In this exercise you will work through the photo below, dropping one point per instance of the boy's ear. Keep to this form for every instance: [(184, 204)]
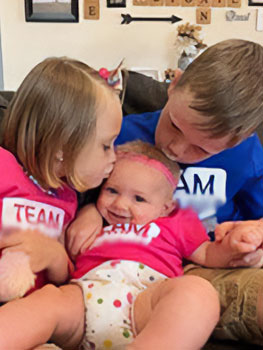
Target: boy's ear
[(177, 75), (168, 207)]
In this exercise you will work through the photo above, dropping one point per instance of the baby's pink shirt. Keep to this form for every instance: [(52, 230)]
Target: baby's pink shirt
[(161, 244)]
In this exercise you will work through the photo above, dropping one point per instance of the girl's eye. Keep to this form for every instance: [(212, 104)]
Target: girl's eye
[(139, 199), (106, 148), (111, 190)]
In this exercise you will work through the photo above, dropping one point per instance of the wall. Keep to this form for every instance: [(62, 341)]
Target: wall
[(105, 42)]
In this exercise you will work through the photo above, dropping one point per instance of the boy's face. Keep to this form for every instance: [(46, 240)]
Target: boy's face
[(135, 193), (177, 135)]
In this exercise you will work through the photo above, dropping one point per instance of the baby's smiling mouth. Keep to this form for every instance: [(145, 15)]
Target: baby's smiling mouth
[(119, 218)]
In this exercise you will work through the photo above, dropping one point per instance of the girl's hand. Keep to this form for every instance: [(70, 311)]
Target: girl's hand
[(83, 230), (44, 252)]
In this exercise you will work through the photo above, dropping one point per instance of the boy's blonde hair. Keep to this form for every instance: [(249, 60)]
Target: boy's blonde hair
[(227, 87), (54, 109), (151, 152)]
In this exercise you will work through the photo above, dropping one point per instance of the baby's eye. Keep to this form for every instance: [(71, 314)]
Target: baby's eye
[(139, 199), (111, 190)]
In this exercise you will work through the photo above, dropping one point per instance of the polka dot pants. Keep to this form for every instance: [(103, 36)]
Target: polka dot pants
[(109, 293)]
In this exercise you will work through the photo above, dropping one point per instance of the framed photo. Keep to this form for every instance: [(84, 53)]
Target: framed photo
[(116, 3), (255, 3), (52, 10)]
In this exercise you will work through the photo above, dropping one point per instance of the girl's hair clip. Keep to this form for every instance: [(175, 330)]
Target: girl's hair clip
[(113, 78)]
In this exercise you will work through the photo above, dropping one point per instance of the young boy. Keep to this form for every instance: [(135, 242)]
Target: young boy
[(127, 275), (207, 126)]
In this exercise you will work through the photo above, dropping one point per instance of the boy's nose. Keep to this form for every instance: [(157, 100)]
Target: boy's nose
[(177, 148)]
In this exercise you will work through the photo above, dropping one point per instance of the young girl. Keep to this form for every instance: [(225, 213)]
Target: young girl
[(59, 131), (124, 295)]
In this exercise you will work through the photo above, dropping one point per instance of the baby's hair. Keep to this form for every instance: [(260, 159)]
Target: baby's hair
[(54, 109), (227, 87), (151, 152)]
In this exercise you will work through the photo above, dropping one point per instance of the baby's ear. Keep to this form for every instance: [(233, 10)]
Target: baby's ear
[(168, 207)]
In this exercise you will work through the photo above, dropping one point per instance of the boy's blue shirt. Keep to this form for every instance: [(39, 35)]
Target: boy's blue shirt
[(226, 186)]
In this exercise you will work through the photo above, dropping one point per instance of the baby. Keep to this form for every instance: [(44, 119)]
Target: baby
[(126, 293)]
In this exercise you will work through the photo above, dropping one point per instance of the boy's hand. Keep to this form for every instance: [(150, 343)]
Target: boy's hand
[(253, 259), (83, 230)]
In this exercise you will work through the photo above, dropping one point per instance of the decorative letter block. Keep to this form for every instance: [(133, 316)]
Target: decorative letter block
[(156, 2), (234, 3), (141, 2), (218, 3), (188, 3), (172, 2), (91, 9), (204, 3), (203, 15)]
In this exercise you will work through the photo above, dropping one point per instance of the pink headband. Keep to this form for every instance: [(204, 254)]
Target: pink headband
[(153, 163)]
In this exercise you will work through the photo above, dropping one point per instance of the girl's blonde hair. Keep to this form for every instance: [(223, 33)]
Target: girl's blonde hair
[(54, 109)]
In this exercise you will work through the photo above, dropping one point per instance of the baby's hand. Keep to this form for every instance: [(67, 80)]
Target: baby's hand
[(223, 229), (243, 237), (83, 230)]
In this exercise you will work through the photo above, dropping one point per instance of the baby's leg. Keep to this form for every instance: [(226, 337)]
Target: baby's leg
[(177, 314), (49, 313)]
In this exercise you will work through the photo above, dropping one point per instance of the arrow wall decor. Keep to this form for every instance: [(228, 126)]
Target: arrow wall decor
[(128, 19)]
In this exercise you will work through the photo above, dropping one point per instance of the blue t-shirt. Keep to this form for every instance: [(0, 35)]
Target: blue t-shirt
[(225, 187)]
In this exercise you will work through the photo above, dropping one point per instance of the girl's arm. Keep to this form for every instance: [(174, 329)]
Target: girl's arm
[(45, 253), (83, 230)]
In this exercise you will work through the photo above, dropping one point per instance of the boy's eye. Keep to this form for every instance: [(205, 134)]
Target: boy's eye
[(174, 126), (111, 190), (139, 199), (201, 150)]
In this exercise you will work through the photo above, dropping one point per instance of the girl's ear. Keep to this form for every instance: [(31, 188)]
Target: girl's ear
[(59, 156), (177, 75), (168, 207)]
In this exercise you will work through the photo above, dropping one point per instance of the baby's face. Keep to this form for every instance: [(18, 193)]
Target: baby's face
[(177, 133), (135, 193)]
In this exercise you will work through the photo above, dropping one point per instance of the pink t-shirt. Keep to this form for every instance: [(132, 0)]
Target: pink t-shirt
[(24, 205), (160, 244)]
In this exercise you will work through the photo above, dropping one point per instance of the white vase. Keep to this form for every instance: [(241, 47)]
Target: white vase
[(184, 61)]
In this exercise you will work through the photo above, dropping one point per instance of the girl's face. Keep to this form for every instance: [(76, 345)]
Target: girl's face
[(96, 159), (135, 193), (178, 136)]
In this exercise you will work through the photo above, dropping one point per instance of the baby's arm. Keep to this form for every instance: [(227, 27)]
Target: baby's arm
[(240, 240), (83, 230), (48, 313)]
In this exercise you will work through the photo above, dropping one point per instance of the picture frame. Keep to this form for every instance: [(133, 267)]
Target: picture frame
[(255, 2), (116, 3), (51, 10)]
